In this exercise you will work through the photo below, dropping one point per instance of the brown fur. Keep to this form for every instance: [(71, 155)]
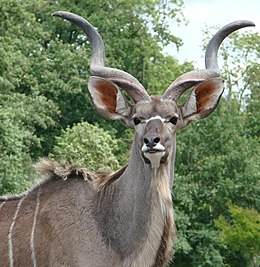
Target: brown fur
[(103, 179)]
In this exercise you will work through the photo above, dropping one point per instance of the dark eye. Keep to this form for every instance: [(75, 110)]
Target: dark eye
[(173, 120), (136, 121)]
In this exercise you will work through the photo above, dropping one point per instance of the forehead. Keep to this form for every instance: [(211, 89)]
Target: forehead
[(155, 107)]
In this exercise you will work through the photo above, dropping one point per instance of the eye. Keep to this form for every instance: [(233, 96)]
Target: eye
[(173, 120), (136, 121)]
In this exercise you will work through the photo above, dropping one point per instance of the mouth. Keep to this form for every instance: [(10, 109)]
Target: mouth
[(153, 151), (154, 156)]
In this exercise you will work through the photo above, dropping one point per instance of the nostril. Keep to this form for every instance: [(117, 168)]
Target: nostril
[(151, 141), (146, 141), (156, 140)]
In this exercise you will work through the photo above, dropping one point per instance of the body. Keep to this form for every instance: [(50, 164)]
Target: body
[(70, 217)]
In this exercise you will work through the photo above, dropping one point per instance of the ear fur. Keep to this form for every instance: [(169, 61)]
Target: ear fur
[(202, 101), (108, 99)]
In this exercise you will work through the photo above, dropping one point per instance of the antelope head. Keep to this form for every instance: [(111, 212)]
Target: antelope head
[(155, 119)]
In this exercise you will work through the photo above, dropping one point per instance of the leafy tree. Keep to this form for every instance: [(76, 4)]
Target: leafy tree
[(89, 146), (242, 233), (240, 66), (21, 116), (44, 54), (216, 163)]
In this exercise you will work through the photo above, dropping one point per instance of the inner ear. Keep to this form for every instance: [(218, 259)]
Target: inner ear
[(106, 92), (202, 101), (108, 99)]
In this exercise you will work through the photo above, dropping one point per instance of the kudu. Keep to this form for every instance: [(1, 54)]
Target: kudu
[(78, 218)]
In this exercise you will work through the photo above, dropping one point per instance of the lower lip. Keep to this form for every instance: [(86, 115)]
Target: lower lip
[(154, 151)]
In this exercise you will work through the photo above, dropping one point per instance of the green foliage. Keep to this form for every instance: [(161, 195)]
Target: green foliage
[(20, 118), (252, 101), (89, 146), (242, 233), (216, 164)]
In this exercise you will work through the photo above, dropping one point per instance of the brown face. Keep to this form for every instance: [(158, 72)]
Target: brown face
[(155, 123)]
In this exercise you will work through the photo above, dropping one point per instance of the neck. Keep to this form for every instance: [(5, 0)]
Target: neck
[(138, 217)]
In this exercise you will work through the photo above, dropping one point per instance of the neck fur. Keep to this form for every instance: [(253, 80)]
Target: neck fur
[(155, 185)]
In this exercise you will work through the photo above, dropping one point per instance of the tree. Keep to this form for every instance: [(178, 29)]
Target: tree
[(21, 116), (242, 233), (87, 145), (240, 66), (215, 164)]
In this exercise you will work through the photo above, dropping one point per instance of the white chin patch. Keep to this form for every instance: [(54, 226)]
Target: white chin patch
[(154, 155), (155, 158)]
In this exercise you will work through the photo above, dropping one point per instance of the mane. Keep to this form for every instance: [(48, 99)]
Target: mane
[(52, 169)]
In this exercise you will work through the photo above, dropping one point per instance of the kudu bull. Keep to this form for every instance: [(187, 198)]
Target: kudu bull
[(78, 218)]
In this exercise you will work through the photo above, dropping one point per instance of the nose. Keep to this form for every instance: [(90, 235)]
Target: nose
[(151, 141)]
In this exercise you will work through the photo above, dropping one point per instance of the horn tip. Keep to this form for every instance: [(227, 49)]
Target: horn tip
[(249, 23), (58, 14), (245, 23), (252, 24)]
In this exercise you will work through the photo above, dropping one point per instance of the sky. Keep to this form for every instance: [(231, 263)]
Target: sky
[(202, 13)]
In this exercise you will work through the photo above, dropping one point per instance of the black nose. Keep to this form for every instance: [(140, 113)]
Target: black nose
[(151, 141)]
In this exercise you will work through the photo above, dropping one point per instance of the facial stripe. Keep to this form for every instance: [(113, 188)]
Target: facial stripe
[(10, 242), (34, 226), (156, 118)]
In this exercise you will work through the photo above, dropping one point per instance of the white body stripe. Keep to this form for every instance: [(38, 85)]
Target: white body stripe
[(10, 244), (2, 204), (33, 227)]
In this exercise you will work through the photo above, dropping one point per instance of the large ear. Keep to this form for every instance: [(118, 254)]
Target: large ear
[(108, 99), (202, 101)]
